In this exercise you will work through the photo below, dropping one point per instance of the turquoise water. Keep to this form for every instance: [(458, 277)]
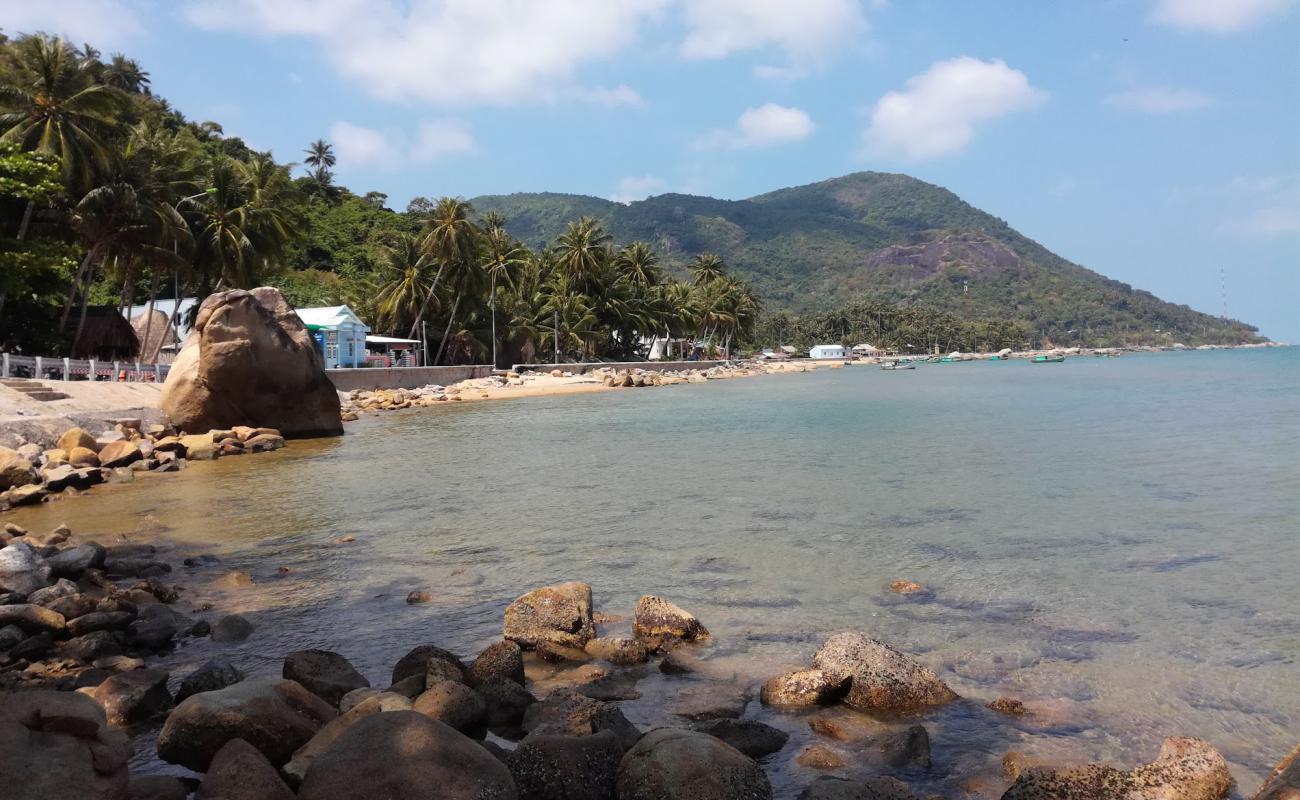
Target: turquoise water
[(1113, 541)]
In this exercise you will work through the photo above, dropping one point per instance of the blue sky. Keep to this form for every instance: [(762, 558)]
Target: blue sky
[(1155, 141)]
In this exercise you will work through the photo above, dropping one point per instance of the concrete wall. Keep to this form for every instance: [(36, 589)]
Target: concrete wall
[(648, 366), (345, 380)]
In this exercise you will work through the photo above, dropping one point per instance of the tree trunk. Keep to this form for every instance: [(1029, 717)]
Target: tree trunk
[(27, 219), (493, 297), (72, 290), (425, 305), (447, 331), (85, 300), (148, 320)]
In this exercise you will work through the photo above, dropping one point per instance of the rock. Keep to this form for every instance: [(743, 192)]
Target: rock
[(210, 677), (66, 476), (32, 618), (417, 597), (1009, 706), (118, 663), (712, 701), (76, 605), (403, 755), (264, 442), (507, 704), (751, 737), (559, 614), (1186, 769), (59, 589), (58, 745), (388, 701), (676, 764), (135, 696), (99, 621), (244, 340), (157, 787), (502, 659), (74, 438), (83, 457), (828, 787), (679, 662), (119, 454), (567, 712), (91, 646), (802, 688), (326, 674), (306, 755), (440, 670), (880, 678), (819, 756), (15, 469), (10, 636), (275, 716), (655, 616), (26, 495), (550, 767), (240, 772), (417, 661), (75, 560), (845, 726), (1283, 783), (22, 569), (232, 628), (906, 587), (618, 650), (553, 653), (235, 579), (456, 705), (905, 748)]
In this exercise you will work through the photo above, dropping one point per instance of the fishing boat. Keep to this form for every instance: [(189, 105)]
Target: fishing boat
[(898, 365), (1047, 359)]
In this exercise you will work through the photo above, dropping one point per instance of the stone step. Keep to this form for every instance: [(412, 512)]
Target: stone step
[(14, 383), (47, 395)]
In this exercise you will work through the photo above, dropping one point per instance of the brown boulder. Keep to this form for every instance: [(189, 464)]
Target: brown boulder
[(133, 696), (880, 677), (83, 457), (58, 744), (656, 616), (1283, 783), (15, 469), (676, 764), (502, 659), (119, 454), (249, 362), (1186, 769), (73, 438), (805, 687), (559, 614), (326, 674), (240, 772)]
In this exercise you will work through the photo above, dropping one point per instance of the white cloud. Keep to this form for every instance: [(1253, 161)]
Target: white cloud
[(764, 126), (103, 23), (1156, 100), (938, 111), (1274, 203), (636, 187), (803, 32), (360, 147), (1216, 16), (452, 52), (1271, 221)]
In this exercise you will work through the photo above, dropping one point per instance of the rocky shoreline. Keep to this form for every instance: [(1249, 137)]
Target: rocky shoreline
[(535, 714)]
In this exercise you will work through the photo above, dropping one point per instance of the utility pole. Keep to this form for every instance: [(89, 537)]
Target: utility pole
[(1223, 292), (555, 327), (424, 342)]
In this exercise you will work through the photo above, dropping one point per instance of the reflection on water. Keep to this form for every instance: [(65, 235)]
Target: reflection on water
[(1112, 541)]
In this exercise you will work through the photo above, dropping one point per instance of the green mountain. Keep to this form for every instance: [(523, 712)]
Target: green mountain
[(880, 237)]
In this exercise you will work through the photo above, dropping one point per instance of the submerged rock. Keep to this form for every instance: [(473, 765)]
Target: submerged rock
[(1185, 769), (560, 614), (880, 677), (751, 737), (678, 764)]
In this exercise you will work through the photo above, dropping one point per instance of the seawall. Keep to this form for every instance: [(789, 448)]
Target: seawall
[(345, 380)]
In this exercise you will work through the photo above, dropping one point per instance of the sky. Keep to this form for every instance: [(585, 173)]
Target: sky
[(1154, 141)]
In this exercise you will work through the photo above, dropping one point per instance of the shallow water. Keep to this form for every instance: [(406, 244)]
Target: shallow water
[(1114, 541)]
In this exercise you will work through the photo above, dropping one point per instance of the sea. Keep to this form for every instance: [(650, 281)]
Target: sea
[(1113, 541)]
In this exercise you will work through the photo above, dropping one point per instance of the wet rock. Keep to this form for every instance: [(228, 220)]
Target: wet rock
[(403, 755), (504, 659), (59, 589), (157, 787), (828, 787), (264, 442), (553, 653), (32, 618), (655, 616), (326, 674), (235, 579), (802, 688), (845, 726), (677, 764), (417, 597), (1283, 783), (880, 677), (73, 561), (570, 713), (232, 628), (161, 591), (306, 755), (456, 705), (58, 745), (22, 569), (679, 662), (240, 772), (618, 650), (1186, 769), (74, 606), (153, 632), (906, 748), (99, 621), (1009, 706), (619, 685), (135, 696), (119, 454), (906, 587), (15, 469), (552, 767), (416, 662), (817, 756), (388, 701), (275, 716), (712, 701), (559, 614), (751, 737), (507, 704), (91, 647)]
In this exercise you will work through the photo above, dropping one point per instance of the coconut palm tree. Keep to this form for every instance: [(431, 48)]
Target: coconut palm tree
[(409, 271), (125, 74), (320, 154), (448, 240), (51, 102), (505, 258), (582, 251), (706, 268), (639, 264)]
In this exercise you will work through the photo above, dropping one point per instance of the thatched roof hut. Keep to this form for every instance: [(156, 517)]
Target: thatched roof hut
[(160, 334), (106, 336)]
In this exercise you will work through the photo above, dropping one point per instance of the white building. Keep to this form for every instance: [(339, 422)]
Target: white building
[(340, 334), (827, 351)]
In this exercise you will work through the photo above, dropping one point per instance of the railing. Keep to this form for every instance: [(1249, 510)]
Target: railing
[(74, 369)]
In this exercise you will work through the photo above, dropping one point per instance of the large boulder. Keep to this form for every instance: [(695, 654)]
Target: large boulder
[(417, 661), (275, 716), (880, 678), (456, 705), (326, 674), (210, 677), (551, 767), (133, 696), (15, 469), (802, 688), (560, 614), (1185, 769), (657, 617), (306, 755), (565, 711), (402, 755), (502, 659), (1283, 783), (58, 744), (250, 361), (676, 764), (22, 569), (240, 772)]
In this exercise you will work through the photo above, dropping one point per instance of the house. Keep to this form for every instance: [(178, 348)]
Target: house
[(866, 350), (389, 351), (827, 351), (339, 333), (768, 354)]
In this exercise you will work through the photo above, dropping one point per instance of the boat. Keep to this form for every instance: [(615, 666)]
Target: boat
[(898, 365), (1047, 359)]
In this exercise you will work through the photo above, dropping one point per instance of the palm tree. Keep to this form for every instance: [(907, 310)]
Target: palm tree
[(505, 257), (706, 268), (320, 154), (50, 102), (125, 74), (104, 219), (582, 251), (408, 268), (448, 240), (639, 264)]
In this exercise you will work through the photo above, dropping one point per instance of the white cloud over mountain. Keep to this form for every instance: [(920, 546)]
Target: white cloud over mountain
[(938, 111), (637, 187), (763, 126)]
